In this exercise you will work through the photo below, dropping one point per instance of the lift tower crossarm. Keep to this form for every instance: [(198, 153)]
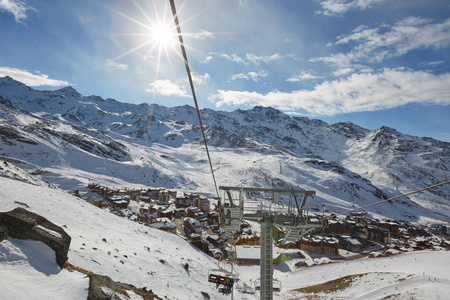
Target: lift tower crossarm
[(263, 190)]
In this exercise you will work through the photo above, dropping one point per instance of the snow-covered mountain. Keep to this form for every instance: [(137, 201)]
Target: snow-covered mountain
[(82, 139)]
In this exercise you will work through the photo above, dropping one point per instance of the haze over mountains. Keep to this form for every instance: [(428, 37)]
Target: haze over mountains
[(80, 139)]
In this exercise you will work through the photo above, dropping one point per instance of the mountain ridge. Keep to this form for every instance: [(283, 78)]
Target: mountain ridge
[(152, 145)]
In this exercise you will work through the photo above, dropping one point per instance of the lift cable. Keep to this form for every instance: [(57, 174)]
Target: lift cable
[(186, 63), (404, 195)]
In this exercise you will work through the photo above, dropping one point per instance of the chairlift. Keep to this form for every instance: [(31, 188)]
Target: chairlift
[(244, 288), (223, 279), (276, 285)]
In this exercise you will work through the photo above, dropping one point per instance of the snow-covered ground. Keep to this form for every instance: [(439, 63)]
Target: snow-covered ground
[(146, 257), (104, 244), (28, 271)]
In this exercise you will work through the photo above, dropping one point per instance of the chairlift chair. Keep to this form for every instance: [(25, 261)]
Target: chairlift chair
[(224, 278), (276, 285)]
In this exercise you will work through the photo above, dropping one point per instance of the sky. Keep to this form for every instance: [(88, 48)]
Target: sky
[(371, 62)]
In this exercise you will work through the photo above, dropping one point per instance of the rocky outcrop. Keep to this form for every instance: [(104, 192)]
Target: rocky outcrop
[(104, 288), (3, 232), (23, 224)]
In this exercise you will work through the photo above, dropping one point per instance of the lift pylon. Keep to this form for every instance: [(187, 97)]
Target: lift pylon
[(266, 207)]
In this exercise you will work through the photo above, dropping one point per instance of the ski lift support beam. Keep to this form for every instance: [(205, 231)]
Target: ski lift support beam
[(234, 211)]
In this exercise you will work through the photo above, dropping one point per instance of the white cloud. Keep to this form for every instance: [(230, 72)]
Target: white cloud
[(234, 58), (202, 35), (386, 89), (303, 76), (201, 79), (30, 79), (255, 76), (255, 59), (207, 59), (167, 88), (340, 7), (377, 44), (251, 58), (432, 63), (116, 65), (343, 72), (16, 7)]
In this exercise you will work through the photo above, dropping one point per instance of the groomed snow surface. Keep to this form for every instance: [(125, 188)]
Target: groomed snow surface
[(146, 257)]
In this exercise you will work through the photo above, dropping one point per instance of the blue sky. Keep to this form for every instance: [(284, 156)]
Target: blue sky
[(371, 62)]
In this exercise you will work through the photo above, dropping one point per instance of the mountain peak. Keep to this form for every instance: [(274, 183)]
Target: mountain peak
[(9, 81), (69, 92), (348, 129)]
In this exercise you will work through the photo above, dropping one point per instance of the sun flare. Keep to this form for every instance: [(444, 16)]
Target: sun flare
[(162, 34)]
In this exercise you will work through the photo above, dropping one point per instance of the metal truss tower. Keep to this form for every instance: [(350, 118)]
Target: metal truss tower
[(266, 207)]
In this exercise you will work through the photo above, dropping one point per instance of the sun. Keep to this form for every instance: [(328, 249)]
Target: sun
[(155, 36), (162, 34)]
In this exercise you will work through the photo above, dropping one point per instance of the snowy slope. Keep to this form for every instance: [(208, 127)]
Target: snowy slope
[(82, 139), (109, 245), (28, 271)]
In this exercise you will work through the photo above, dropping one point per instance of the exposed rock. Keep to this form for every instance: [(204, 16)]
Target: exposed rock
[(3, 232), (23, 224), (97, 282)]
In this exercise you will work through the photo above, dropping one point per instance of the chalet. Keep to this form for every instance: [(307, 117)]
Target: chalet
[(153, 193), (202, 203), (354, 245), (118, 203), (192, 196), (135, 195), (163, 195), (101, 203), (122, 192), (330, 246), (248, 255), (144, 209), (203, 222), (319, 244), (165, 212), (93, 187), (196, 213), (213, 217), (248, 240), (439, 229), (215, 252), (311, 244), (145, 199), (339, 227), (178, 213), (163, 203), (215, 240), (245, 224), (147, 217), (195, 237), (156, 208), (378, 234), (182, 200), (164, 224), (201, 244), (417, 231), (192, 225)]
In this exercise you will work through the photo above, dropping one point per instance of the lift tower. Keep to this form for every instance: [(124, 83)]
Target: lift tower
[(267, 207)]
